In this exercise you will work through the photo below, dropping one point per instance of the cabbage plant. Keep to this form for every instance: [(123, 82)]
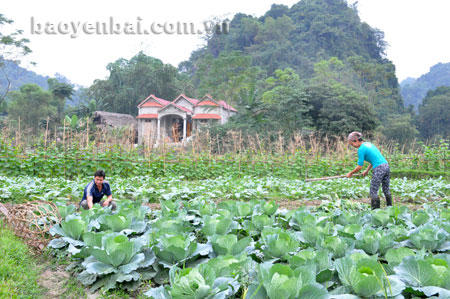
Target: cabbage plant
[(200, 283), (278, 243), (426, 277), (174, 249), (280, 281), (229, 244), (366, 277), (257, 224), (429, 237), (373, 241), (71, 229), (218, 224), (118, 260)]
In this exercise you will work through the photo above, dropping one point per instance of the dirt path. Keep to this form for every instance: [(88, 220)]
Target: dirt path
[(53, 280), (57, 284)]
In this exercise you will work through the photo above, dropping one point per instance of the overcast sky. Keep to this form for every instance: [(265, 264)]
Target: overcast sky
[(416, 30)]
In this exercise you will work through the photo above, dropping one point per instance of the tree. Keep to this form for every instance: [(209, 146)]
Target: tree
[(275, 30), (60, 92), (272, 44), (434, 114), (286, 99), (225, 76), (280, 108), (251, 116), (400, 128), (32, 105), (131, 81), (316, 95), (345, 111), (374, 79), (12, 49), (329, 71), (414, 90), (86, 105), (379, 82), (290, 114), (277, 11)]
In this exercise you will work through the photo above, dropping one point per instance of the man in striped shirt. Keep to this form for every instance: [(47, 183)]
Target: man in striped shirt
[(95, 190)]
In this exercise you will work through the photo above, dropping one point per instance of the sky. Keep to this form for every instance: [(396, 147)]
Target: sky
[(416, 31)]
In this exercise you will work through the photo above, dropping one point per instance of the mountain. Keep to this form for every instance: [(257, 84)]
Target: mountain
[(307, 37), (19, 76), (413, 91), (407, 81)]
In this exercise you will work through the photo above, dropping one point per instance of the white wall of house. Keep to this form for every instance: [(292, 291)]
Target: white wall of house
[(226, 114), (185, 103), (149, 127), (171, 110), (146, 130), (149, 110), (199, 124), (207, 110)]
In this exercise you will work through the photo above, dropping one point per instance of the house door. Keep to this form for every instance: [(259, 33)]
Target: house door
[(188, 128)]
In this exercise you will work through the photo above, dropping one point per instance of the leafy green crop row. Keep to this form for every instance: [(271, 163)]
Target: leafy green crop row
[(75, 162), (148, 189), (199, 249)]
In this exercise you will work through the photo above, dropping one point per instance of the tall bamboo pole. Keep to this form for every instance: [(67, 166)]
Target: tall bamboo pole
[(87, 131), (46, 132)]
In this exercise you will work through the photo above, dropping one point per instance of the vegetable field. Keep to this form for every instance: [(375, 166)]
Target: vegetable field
[(74, 162), (148, 189), (253, 249), (240, 225)]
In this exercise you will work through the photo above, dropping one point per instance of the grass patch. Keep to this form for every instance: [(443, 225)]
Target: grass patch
[(73, 289), (18, 270)]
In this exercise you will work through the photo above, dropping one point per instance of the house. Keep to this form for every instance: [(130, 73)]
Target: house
[(175, 121)]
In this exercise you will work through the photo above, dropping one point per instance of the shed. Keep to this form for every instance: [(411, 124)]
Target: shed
[(114, 120)]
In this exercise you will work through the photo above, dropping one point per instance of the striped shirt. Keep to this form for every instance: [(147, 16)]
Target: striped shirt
[(92, 190)]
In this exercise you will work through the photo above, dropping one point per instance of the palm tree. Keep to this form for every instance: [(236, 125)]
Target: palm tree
[(61, 92)]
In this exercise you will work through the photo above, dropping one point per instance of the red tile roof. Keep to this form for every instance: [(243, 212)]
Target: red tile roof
[(182, 108), (226, 106), (190, 100), (207, 103), (161, 101), (208, 100), (193, 101), (207, 116), (221, 102), (177, 106), (147, 116), (151, 104)]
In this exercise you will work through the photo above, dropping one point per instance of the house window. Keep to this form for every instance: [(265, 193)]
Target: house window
[(203, 121)]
